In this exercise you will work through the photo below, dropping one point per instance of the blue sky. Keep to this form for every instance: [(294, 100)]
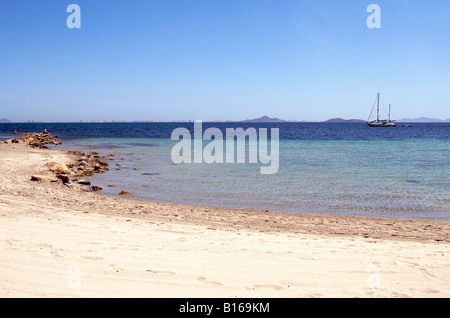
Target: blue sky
[(222, 59)]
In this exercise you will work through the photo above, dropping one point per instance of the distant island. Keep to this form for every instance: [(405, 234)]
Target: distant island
[(341, 120), (265, 119), (424, 120)]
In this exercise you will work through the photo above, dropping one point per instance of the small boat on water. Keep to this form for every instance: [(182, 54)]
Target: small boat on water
[(381, 122), (407, 125)]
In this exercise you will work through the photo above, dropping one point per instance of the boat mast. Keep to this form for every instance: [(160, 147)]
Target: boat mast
[(378, 107), (389, 116)]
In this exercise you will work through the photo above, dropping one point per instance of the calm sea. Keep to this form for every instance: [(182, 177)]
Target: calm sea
[(325, 168)]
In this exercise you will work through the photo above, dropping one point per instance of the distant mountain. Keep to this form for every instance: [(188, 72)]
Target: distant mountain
[(340, 120), (423, 120), (265, 119), (5, 121)]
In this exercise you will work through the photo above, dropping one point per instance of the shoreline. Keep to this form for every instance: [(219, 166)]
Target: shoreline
[(365, 227), (56, 221)]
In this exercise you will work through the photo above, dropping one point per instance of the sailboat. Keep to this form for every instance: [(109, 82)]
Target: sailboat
[(381, 122)]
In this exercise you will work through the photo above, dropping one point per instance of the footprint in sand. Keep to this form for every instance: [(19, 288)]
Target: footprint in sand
[(47, 248), (160, 272), (210, 282), (313, 295), (272, 286), (431, 291), (11, 244), (114, 269), (94, 258)]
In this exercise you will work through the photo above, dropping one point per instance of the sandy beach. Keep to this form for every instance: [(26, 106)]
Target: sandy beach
[(58, 240)]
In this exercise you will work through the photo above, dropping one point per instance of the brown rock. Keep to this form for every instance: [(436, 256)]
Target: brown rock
[(36, 178), (103, 164), (64, 178), (41, 178), (84, 182), (124, 192), (59, 168), (95, 188), (75, 152)]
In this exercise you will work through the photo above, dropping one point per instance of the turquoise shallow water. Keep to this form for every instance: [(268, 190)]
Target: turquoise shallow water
[(388, 178)]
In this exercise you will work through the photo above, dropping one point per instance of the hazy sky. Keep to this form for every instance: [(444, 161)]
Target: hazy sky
[(222, 59)]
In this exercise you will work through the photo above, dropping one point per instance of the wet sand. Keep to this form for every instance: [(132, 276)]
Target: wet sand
[(60, 241)]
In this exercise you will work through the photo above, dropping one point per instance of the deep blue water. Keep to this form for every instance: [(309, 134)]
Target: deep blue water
[(325, 168), (288, 131)]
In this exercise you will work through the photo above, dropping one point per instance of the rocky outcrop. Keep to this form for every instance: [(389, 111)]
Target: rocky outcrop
[(35, 140), (83, 164)]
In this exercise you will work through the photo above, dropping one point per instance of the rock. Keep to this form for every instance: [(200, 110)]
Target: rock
[(36, 140), (103, 164), (84, 182), (36, 178), (124, 192), (112, 185), (41, 178), (95, 188), (75, 152), (29, 140), (59, 168), (64, 178)]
